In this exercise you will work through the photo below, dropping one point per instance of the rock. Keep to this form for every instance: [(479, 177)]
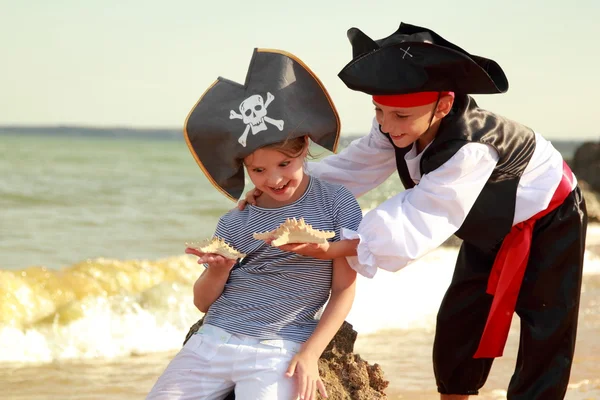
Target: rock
[(592, 201), (586, 164), (346, 375), (453, 241)]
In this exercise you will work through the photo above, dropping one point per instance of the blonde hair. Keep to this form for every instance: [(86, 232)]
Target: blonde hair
[(291, 147)]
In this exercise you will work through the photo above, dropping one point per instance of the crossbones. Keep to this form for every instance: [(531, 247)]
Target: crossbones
[(254, 114)]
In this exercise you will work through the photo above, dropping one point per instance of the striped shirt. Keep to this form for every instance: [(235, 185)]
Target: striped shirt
[(272, 294)]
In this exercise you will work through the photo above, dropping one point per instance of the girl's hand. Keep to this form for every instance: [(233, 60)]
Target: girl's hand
[(216, 261), (306, 368)]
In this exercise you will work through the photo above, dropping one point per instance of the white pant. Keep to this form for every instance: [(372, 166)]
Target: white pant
[(213, 362)]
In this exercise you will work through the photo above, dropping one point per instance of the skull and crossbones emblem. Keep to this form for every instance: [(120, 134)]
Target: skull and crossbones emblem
[(253, 112)]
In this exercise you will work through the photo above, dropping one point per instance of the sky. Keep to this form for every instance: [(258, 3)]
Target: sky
[(145, 63)]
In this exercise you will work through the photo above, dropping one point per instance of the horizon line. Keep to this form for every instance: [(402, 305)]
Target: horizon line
[(47, 126)]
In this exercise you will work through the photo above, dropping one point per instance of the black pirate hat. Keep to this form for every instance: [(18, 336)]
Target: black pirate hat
[(281, 99), (415, 59)]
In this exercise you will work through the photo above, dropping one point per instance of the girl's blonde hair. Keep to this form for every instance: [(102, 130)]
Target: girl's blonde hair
[(292, 147)]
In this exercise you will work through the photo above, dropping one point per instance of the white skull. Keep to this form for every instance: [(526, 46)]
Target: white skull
[(253, 111)]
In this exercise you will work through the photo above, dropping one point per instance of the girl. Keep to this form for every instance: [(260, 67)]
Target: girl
[(262, 334)]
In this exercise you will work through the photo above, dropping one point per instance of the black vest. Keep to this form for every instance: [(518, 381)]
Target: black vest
[(491, 217)]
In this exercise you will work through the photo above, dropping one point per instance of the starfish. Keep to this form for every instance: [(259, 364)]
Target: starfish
[(294, 231), (216, 246)]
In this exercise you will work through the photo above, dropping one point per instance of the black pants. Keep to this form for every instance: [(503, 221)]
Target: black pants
[(548, 307)]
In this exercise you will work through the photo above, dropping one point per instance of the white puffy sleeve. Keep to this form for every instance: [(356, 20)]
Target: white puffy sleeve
[(363, 165), (418, 220)]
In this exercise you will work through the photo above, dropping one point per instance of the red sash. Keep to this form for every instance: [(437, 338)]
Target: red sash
[(508, 271)]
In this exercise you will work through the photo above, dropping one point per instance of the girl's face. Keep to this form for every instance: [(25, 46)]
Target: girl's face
[(277, 175)]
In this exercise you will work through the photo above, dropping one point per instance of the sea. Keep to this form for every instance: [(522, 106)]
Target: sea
[(96, 291)]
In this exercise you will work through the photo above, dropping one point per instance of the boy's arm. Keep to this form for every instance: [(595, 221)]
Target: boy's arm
[(412, 223), (363, 165)]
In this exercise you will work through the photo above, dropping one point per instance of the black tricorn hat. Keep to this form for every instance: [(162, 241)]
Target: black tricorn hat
[(415, 59), (281, 99)]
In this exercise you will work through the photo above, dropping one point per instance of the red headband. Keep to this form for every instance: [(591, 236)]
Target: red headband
[(410, 100)]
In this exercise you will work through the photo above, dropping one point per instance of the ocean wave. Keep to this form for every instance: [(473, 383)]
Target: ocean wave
[(106, 308)]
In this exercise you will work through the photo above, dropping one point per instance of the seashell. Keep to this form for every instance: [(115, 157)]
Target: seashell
[(216, 246), (294, 231)]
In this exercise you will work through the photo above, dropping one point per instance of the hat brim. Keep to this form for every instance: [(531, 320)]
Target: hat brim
[(298, 104), (410, 67)]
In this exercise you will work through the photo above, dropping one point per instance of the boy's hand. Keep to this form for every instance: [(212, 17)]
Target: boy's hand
[(315, 250), (250, 198), (305, 367), (214, 261)]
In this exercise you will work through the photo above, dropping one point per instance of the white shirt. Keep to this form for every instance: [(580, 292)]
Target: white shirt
[(414, 222)]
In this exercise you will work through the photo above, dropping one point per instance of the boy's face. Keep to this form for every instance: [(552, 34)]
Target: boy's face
[(276, 174), (406, 125)]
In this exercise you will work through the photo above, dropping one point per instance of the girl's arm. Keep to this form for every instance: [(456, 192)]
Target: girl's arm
[(210, 284), (343, 287), (305, 363)]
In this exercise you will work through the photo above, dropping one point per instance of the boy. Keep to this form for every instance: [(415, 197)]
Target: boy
[(496, 184)]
